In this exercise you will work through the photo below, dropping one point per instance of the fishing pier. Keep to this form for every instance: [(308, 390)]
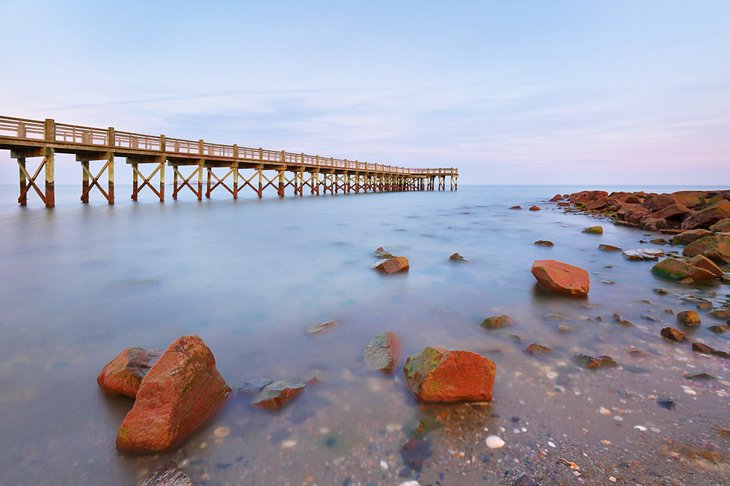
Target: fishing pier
[(198, 166)]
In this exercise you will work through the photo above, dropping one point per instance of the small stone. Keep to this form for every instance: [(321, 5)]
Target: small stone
[(415, 452), (705, 349), (381, 253), (168, 475), (383, 352), (537, 348), (700, 376), (288, 444), (673, 334), (221, 432), (719, 328), (704, 305), (277, 394), (495, 322), (661, 291), (534, 208), (516, 207), (591, 362), (658, 241), (721, 313), (321, 327), (393, 265), (689, 318), (457, 258), (667, 403), (648, 254), (494, 442), (593, 230), (544, 243), (603, 247)]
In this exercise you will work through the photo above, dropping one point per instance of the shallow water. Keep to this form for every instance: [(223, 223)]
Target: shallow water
[(80, 283)]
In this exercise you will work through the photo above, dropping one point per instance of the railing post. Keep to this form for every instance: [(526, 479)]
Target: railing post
[(50, 130)]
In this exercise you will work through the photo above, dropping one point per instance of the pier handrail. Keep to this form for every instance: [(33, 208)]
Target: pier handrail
[(36, 130)]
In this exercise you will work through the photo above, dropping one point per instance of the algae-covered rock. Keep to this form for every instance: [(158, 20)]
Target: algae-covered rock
[(676, 269), (593, 230), (722, 226), (383, 352), (716, 248), (440, 375), (495, 322), (687, 237)]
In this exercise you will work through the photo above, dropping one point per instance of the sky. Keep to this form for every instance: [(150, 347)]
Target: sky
[(510, 92)]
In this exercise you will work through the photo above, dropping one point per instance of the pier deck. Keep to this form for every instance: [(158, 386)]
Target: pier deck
[(195, 164)]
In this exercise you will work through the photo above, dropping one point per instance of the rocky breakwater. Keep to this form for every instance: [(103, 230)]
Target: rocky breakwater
[(670, 213), (181, 391)]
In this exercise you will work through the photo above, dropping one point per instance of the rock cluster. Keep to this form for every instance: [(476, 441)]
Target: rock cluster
[(672, 213)]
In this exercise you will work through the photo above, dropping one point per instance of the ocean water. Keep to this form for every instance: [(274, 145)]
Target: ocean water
[(82, 282)]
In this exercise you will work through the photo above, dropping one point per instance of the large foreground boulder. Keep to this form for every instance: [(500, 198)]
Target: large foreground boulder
[(180, 392), (716, 248), (440, 375), (123, 374), (561, 278)]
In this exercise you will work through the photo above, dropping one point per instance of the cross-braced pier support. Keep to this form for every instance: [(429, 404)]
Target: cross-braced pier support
[(89, 180), (159, 169), (28, 181)]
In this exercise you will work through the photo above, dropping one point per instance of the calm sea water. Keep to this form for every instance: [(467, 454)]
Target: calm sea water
[(80, 283)]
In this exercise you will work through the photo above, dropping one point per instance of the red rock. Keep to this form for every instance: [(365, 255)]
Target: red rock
[(556, 198), (440, 375), (123, 374), (676, 269), (659, 201), (534, 208), (597, 205), (691, 199), (563, 204), (716, 248), (673, 334), (633, 199), (673, 211), (701, 261), (722, 226), (516, 207), (653, 224), (393, 265), (561, 278), (687, 237), (178, 394), (708, 216), (689, 318)]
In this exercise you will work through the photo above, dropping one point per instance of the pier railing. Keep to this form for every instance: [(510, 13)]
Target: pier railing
[(100, 138)]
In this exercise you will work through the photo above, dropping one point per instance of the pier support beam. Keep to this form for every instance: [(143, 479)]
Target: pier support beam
[(185, 181), (28, 181), (282, 182), (147, 180), (89, 180)]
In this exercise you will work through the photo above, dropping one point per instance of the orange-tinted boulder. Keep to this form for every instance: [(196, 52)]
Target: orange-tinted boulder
[(123, 374), (701, 261), (561, 278), (716, 247), (180, 392), (393, 265), (534, 208), (708, 216), (440, 375)]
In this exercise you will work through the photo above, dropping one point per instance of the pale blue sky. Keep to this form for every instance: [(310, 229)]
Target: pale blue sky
[(574, 92)]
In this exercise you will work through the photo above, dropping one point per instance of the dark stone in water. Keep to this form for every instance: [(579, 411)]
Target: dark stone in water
[(719, 329), (673, 334), (604, 247), (591, 362), (537, 348), (667, 403), (544, 243), (661, 291), (321, 327), (254, 385), (495, 322), (516, 207), (705, 349), (168, 475), (456, 257), (700, 376), (383, 352), (415, 452), (275, 395), (525, 480)]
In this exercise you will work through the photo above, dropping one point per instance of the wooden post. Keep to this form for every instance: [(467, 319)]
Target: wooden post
[(23, 199), (260, 192), (110, 178), (50, 190), (85, 181), (162, 179), (235, 180), (135, 181), (210, 176), (282, 181)]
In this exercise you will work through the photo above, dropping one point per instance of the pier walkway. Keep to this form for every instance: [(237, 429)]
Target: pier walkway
[(229, 167)]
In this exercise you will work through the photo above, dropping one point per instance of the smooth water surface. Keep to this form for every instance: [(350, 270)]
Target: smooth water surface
[(82, 282)]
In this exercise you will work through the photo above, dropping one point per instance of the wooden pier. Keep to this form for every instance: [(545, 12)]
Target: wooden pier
[(199, 166)]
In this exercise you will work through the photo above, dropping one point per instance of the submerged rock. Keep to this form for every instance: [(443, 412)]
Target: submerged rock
[(716, 248), (456, 257), (534, 208), (495, 322), (277, 394), (321, 327), (178, 394), (414, 452), (603, 247), (383, 352), (650, 254), (721, 313), (168, 475), (593, 230), (440, 375), (543, 243), (535, 348), (123, 374), (591, 362), (254, 385), (561, 278), (381, 253), (705, 349), (516, 207), (673, 334), (393, 265), (689, 318), (719, 328)]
